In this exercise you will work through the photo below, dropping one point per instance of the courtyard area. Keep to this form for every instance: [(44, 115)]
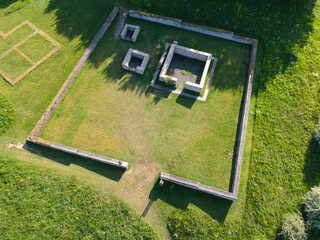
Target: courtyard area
[(115, 113)]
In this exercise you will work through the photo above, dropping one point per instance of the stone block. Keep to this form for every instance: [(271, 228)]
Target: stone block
[(135, 61), (130, 32)]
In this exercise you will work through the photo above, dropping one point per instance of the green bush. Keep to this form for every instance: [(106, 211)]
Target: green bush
[(35, 204), (293, 227), (312, 207), (317, 133), (171, 83), (7, 114)]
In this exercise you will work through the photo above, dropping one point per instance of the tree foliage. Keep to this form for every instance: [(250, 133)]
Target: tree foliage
[(293, 227), (312, 207)]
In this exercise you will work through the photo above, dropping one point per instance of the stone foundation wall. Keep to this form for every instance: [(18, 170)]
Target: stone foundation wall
[(132, 52)]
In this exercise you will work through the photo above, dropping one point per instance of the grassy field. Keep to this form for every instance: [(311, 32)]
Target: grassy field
[(37, 47), (285, 159), (113, 112), (7, 114), (74, 30), (37, 204)]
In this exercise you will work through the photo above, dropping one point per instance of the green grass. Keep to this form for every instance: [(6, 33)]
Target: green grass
[(14, 38), (74, 26), (112, 112), (37, 204), (37, 47), (14, 64), (187, 71), (7, 114), (285, 158)]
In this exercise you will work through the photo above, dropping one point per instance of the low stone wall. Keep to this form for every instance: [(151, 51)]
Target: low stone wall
[(197, 186), (233, 195), (189, 53), (33, 137), (244, 120), (135, 53), (134, 28), (65, 87), (163, 73), (79, 153), (214, 32)]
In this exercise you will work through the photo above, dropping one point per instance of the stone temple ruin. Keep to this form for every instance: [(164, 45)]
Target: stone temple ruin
[(130, 32), (135, 61), (180, 58)]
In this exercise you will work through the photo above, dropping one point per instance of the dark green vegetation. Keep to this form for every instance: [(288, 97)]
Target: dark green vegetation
[(34, 204), (285, 159), (7, 114)]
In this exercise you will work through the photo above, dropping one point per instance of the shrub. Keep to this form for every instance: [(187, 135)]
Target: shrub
[(312, 207), (317, 133), (171, 83), (7, 114), (293, 227)]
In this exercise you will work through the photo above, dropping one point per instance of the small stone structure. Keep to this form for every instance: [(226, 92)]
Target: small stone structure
[(130, 32), (135, 61), (189, 53)]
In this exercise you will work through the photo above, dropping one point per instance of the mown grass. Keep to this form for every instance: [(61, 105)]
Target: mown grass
[(14, 64), (285, 158), (37, 47), (38, 204), (114, 112), (285, 163), (14, 38), (7, 114), (74, 27)]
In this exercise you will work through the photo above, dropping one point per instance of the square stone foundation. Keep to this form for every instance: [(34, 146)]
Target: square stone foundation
[(135, 61), (130, 32), (188, 53)]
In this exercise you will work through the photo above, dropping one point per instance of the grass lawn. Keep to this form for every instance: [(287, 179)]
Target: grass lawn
[(14, 64), (38, 204), (113, 112), (13, 38), (74, 26), (37, 47)]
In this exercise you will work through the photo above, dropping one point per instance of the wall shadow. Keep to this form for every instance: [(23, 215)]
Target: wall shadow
[(108, 171), (216, 207), (186, 101)]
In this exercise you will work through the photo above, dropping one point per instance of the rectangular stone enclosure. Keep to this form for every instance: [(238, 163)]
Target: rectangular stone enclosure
[(130, 32), (193, 80), (135, 61)]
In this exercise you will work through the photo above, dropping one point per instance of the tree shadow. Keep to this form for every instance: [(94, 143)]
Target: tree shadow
[(81, 19), (6, 3), (312, 164), (180, 197), (108, 171)]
